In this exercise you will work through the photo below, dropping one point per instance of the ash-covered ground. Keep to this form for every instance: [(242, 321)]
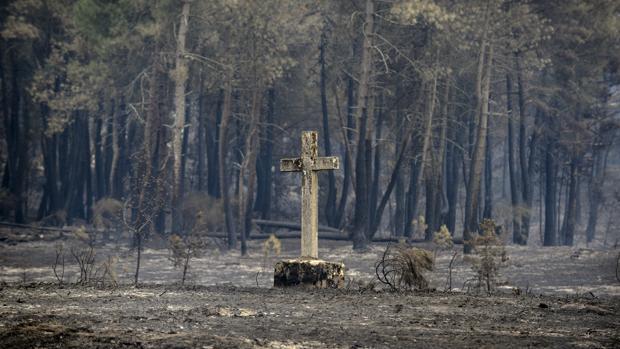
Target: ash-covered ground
[(551, 297)]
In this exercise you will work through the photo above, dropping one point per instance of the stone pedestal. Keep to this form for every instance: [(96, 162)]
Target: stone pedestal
[(309, 273)]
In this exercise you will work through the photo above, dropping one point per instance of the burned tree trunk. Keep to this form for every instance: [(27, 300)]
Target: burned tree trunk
[(347, 137), (212, 135), (361, 219), (222, 152), (330, 207), (550, 236), (568, 226), (515, 192), (526, 165), (180, 79), (264, 177), (477, 161)]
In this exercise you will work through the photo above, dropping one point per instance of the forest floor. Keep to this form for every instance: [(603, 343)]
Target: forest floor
[(552, 297)]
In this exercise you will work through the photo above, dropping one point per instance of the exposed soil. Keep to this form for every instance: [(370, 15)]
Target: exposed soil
[(222, 307)]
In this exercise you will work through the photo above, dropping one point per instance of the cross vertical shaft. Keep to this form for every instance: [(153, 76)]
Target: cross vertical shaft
[(308, 164), (309, 197)]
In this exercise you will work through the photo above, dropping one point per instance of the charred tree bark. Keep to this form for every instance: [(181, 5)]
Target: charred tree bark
[(568, 226), (515, 191), (114, 165), (203, 149), (361, 219), (411, 202), (595, 193), (488, 179), (264, 162), (399, 211), (550, 235), (376, 176), (107, 147), (347, 137), (184, 147), (213, 136), (376, 219), (477, 161), (180, 79), (248, 165), (99, 160), (453, 161), (222, 152), (17, 141), (330, 206), (527, 169)]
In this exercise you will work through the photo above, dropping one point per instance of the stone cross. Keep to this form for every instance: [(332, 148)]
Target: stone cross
[(308, 164)]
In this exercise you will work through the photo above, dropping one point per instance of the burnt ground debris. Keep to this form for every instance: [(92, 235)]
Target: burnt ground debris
[(154, 316), (230, 303)]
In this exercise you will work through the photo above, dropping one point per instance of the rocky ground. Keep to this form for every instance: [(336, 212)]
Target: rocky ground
[(553, 297)]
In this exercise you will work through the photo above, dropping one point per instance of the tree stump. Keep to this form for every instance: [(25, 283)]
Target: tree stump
[(309, 273)]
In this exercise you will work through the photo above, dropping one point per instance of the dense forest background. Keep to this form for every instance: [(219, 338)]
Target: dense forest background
[(160, 116)]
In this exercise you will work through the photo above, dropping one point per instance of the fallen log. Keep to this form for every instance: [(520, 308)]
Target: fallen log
[(291, 225), (325, 233), (322, 235), (35, 227)]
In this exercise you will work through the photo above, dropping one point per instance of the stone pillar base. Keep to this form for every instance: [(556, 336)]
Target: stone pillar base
[(309, 273)]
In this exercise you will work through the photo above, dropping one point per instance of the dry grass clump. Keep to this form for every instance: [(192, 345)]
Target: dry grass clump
[(403, 267), (272, 246), (107, 213), (201, 213)]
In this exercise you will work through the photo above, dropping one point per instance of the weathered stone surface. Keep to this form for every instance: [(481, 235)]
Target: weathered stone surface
[(308, 164), (309, 273)]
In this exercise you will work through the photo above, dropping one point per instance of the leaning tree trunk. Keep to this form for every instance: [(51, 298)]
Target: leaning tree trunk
[(375, 220), (477, 160), (427, 158)]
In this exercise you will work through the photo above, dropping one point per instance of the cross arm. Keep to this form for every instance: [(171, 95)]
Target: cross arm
[(290, 165), (320, 163), (326, 163)]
